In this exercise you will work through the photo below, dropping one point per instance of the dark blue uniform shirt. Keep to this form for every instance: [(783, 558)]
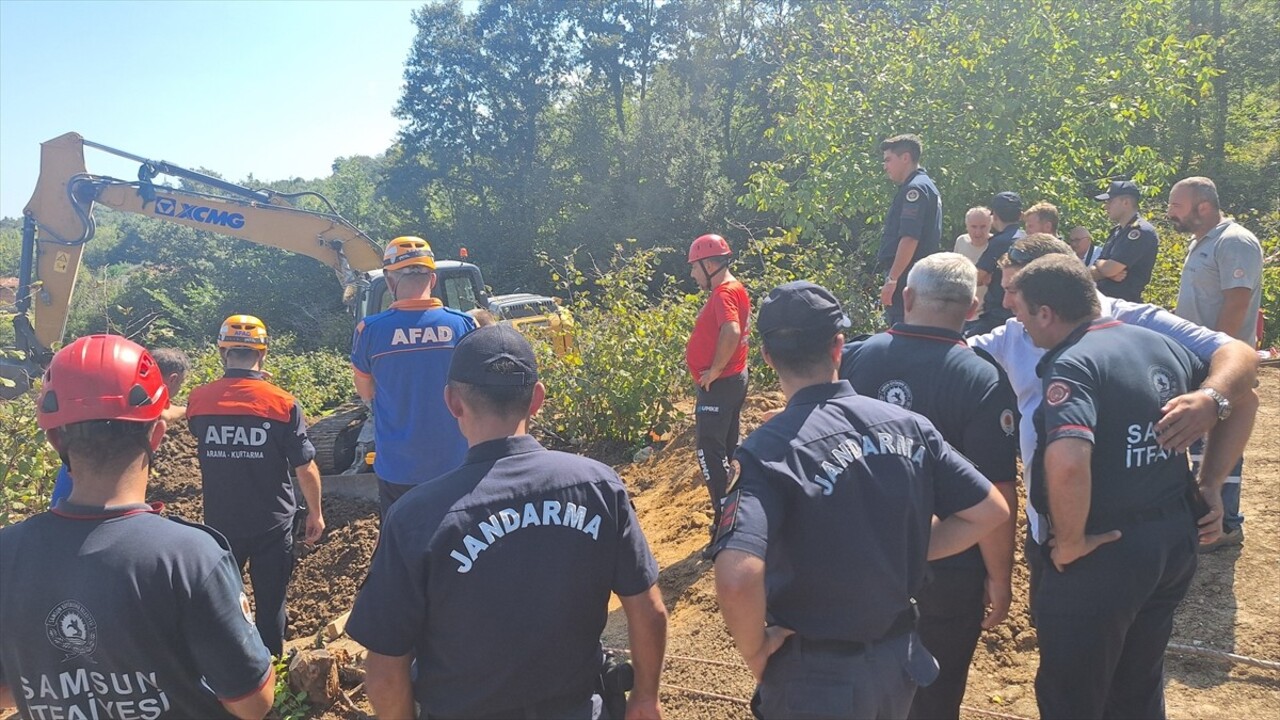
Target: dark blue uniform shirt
[(250, 434), (496, 577), (997, 247), (118, 612), (837, 494), (1135, 244), (916, 212), (1106, 384), (932, 371)]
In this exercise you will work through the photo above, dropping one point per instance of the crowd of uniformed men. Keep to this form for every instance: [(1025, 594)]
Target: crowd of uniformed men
[(862, 537)]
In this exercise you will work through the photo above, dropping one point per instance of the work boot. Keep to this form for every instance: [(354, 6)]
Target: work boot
[(1228, 538)]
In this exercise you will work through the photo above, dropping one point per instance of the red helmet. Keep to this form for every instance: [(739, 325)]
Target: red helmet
[(101, 377), (708, 246)]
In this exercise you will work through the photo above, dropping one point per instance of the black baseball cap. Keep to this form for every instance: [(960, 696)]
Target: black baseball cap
[(801, 305), (494, 355), (1007, 205), (1120, 188)]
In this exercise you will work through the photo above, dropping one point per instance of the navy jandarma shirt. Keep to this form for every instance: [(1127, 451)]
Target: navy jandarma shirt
[(1106, 383), (1136, 245), (251, 434), (964, 394), (496, 577), (119, 612), (916, 212), (837, 494), (989, 262)]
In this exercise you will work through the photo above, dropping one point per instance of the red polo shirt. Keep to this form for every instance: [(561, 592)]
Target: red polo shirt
[(728, 303)]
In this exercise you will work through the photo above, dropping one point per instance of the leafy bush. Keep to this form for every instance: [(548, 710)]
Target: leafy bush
[(628, 368), (783, 257), (320, 379), (28, 464)]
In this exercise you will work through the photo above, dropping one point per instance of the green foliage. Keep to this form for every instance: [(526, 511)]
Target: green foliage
[(1049, 99), (288, 705), (319, 379), (629, 366), (783, 257), (28, 464)]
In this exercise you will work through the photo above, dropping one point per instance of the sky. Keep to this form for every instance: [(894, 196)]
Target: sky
[(274, 89)]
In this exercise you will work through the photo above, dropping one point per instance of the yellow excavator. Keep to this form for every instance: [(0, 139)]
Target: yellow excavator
[(58, 222)]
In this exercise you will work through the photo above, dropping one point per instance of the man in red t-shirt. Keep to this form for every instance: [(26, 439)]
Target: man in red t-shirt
[(717, 359)]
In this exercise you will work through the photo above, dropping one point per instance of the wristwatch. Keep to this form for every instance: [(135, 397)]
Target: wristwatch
[(1224, 405)]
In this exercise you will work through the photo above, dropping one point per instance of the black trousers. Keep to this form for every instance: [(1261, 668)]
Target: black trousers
[(270, 560), (1035, 556), (806, 680), (951, 612), (388, 493), (717, 419), (1103, 624)]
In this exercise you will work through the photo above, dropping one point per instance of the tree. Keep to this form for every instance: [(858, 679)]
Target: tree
[(1050, 99)]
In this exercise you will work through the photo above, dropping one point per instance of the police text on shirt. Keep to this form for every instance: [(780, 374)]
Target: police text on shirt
[(857, 447), (509, 520)]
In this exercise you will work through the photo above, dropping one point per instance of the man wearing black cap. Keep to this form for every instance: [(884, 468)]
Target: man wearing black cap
[(1124, 266), (496, 577), (832, 512), (1006, 220), (913, 227)]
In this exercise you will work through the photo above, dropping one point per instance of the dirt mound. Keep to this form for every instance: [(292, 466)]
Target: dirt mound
[(326, 578)]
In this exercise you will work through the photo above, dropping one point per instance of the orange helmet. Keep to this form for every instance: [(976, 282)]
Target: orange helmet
[(101, 377), (709, 246), (245, 331), (407, 251)]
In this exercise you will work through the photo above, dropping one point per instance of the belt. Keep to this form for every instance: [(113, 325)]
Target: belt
[(904, 623), (1174, 506)]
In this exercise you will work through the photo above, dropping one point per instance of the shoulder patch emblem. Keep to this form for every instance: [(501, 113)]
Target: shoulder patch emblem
[(1057, 392), (1134, 234), (913, 195), (896, 392), (1239, 273), (1006, 422), (1162, 381), (71, 628), (245, 609)]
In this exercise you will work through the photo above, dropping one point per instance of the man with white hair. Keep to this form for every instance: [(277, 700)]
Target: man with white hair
[(1221, 289), (977, 224), (924, 365)]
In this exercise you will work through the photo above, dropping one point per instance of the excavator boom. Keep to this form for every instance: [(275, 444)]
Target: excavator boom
[(59, 221)]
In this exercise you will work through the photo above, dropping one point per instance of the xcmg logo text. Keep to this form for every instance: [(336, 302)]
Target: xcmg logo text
[(200, 213)]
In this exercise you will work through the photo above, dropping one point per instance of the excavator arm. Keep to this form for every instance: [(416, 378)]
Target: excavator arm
[(58, 221)]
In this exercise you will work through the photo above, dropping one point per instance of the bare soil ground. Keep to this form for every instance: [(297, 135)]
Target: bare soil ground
[(1234, 604)]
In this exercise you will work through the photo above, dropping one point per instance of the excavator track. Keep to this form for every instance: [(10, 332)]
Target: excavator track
[(335, 436)]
